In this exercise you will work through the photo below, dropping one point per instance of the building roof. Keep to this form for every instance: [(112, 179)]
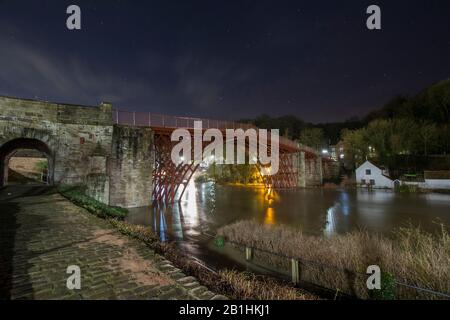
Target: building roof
[(374, 164)]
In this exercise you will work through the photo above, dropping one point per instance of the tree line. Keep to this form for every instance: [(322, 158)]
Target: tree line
[(405, 126)]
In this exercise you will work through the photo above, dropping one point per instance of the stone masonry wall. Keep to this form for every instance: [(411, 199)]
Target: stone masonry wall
[(299, 167), (83, 148), (131, 167), (73, 134), (313, 172), (310, 170)]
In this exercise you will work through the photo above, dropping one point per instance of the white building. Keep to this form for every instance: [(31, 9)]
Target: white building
[(368, 174)]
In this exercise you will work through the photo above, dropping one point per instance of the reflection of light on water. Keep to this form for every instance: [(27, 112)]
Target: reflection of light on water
[(340, 210), (190, 208), (177, 227), (270, 216), (345, 203), (437, 198), (162, 226), (330, 227), (268, 193)]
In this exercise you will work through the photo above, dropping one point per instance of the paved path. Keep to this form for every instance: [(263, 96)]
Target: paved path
[(41, 234)]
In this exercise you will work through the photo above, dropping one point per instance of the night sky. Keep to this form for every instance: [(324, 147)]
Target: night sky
[(224, 59)]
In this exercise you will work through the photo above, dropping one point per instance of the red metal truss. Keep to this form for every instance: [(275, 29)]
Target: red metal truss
[(168, 177), (287, 175)]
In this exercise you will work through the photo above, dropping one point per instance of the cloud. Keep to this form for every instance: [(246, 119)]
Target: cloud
[(188, 84), (28, 71)]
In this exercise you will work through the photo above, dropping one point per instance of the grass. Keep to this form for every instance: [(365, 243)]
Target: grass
[(77, 195), (411, 256), (245, 285)]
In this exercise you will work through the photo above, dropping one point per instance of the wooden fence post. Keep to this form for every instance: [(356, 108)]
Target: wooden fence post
[(295, 271), (248, 253)]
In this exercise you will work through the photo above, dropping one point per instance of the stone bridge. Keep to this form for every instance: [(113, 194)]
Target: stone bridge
[(120, 155)]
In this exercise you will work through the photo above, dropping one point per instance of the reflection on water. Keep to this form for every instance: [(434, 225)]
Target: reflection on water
[(270, 216), (330, 227), (206, 207)]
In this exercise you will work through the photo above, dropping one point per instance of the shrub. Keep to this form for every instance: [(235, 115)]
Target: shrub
[(246, 285), (77, 195), (404, 188)]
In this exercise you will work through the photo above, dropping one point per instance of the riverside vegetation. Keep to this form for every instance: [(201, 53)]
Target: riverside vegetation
[(233, 284), (410, 256), (339, 263)]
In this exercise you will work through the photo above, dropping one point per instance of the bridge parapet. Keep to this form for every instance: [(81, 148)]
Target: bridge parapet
[(34, 112), (147, 119)]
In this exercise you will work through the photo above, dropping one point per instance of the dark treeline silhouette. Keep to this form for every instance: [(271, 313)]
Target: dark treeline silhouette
[(429, 111)]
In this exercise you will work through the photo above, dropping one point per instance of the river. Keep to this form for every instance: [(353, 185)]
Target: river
[(206, 207)]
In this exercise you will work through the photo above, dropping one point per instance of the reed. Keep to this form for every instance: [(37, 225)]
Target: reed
[(340, 262)]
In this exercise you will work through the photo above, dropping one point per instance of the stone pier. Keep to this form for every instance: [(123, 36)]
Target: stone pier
[(131, 167), (309, 170)]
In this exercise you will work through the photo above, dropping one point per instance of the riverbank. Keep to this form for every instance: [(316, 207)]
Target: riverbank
[(42, 234), (229, 283), (339, 263)]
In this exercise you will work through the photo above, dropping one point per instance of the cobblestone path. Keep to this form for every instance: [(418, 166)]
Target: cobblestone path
[(42, 233)]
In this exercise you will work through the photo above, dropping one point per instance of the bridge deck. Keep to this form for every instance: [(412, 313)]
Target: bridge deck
[(167, 123)]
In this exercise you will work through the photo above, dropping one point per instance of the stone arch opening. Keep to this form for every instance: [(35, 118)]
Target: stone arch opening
[(9, 149)]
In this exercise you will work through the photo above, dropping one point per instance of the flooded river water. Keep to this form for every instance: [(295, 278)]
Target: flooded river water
[(206, 207)]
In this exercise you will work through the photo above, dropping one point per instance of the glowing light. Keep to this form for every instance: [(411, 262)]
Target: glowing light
[(325, 151), (190, 208), (330, 227), (269, 218)]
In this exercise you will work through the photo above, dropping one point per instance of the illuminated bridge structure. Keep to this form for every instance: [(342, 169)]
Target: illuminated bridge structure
[(170, 179), (123, 158)]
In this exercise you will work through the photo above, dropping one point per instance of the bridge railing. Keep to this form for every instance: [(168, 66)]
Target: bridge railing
[(147, 119)]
